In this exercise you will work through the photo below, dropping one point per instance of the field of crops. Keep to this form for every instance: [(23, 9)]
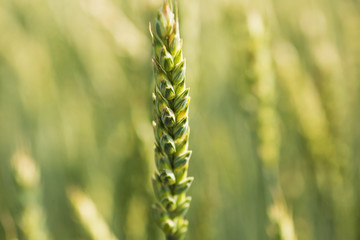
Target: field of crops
[(274, 118)]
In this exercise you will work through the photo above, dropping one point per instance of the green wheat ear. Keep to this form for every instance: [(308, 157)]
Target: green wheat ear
[(171, 105)]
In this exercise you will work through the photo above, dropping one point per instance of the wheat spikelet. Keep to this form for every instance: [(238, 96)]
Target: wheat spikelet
[(171, 104)]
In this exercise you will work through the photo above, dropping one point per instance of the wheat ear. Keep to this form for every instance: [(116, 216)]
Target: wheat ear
[(171, 104)]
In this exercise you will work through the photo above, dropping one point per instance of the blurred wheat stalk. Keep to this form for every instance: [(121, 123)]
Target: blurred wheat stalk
[(171, 103), (27, 175)]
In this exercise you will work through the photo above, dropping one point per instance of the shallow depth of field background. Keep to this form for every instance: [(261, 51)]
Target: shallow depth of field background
[(274, 118)]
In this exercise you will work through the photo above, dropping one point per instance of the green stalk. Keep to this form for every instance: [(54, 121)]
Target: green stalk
[(171, 104)]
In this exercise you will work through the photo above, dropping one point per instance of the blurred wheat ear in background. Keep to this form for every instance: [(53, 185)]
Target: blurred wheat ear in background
[(89, 215), (171, 105), (264, 85), (27, 175)]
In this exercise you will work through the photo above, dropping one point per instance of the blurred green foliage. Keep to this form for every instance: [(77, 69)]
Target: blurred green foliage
[(274, 119)]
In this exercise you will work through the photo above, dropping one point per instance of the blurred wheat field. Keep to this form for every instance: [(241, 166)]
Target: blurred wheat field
[(274, 119)]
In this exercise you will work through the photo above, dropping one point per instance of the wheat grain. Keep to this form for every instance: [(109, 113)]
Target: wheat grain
[(171, 104)]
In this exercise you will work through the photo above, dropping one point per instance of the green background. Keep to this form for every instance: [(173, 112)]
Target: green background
[(274, 117)]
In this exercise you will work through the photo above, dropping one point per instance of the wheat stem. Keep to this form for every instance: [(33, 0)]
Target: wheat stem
[(171, 104)]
